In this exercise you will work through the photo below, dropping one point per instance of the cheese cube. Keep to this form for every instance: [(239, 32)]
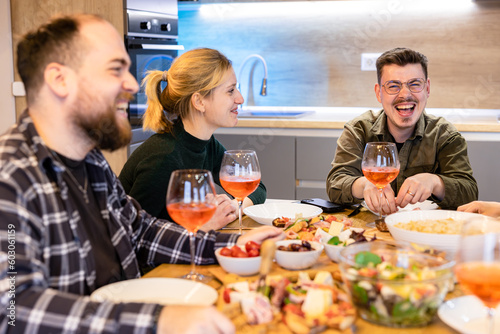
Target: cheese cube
[(239, 297), (335, 228), (242, 286), (316, 302), (344, 235), (303, 278), (324, 277)]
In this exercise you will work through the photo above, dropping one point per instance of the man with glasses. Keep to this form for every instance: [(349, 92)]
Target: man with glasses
[(432, 153)]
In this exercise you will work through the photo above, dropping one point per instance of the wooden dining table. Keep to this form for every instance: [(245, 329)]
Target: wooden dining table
[(361, 219)]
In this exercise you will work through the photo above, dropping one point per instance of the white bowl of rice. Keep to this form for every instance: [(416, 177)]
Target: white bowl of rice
[(434, 229)]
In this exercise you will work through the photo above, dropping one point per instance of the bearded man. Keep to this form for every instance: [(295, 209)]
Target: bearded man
[(66, 225)]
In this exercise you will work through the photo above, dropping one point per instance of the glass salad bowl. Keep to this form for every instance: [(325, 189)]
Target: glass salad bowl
[(395, 285)]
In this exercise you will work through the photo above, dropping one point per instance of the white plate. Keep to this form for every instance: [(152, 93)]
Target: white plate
[(166, 291), (467, 315), (425, 205), (267, 212)]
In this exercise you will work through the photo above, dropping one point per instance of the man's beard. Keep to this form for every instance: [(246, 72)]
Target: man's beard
[(102, 128)]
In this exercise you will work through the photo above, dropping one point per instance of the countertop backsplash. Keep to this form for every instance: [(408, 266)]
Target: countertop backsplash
[(313, 48)]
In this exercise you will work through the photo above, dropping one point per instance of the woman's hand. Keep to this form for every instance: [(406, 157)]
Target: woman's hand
[(225, 213)]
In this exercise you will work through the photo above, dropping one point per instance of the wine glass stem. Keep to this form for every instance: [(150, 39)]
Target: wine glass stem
[(240, 205), (381, 193), (192, 247), (491, 320)]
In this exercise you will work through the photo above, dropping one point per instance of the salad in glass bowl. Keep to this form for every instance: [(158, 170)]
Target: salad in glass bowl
[(395, 285)]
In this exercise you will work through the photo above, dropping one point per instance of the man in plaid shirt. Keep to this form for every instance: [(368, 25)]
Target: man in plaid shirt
[(66, 225)]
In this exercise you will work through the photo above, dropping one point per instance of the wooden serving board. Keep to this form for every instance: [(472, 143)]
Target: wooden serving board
[(233, 311)]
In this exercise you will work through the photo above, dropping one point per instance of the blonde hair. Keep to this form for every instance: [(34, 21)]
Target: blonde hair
[(196, 71)]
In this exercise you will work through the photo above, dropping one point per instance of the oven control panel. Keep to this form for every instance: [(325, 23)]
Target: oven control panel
[(154, 25)]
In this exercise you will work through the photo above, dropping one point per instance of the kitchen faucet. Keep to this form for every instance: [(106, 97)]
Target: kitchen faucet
[(263, 90)]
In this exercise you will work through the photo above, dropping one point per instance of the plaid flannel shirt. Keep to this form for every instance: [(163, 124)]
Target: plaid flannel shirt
[(46, 265)]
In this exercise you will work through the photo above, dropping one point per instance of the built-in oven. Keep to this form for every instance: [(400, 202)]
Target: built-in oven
[(151, 41)]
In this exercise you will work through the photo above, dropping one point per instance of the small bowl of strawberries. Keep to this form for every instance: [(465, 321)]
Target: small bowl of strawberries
[(240, 260)]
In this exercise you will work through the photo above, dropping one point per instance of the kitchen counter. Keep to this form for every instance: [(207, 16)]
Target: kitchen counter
[(465, 120)]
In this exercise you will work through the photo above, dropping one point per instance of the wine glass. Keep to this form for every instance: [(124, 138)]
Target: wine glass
[(380, 166), (240, 175), (478, 263), (191, 203)]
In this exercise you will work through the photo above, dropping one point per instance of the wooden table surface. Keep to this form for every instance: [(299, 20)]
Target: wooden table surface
[(361, 326)]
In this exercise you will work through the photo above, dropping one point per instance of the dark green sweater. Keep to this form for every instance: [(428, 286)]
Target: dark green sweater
[(146, 173)]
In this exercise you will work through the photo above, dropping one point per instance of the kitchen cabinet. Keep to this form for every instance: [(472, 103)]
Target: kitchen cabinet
[(293, 167), (313, 160), (485, 166), (276, 159)]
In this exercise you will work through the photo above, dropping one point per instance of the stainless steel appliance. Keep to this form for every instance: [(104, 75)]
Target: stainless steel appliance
[(151, 40)]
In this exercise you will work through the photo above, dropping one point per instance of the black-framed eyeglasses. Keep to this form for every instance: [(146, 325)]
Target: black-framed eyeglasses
[(393, 87)]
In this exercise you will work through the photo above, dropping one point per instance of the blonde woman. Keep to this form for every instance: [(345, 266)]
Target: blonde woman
[(200, 96)]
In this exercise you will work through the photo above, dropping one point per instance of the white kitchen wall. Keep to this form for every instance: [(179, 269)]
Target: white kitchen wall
[(7, 108)]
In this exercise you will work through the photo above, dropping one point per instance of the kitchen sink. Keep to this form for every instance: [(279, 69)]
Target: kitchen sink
[(273, 114)]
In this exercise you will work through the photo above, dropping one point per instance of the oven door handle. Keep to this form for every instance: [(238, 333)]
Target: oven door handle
[(162, 47)]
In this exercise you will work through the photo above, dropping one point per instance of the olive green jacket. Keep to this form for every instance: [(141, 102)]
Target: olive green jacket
[(435, 147)]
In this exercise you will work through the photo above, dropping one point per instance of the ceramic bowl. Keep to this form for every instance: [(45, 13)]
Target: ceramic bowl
[(333, 251), (446, 242), (243, 266), (297, 260)]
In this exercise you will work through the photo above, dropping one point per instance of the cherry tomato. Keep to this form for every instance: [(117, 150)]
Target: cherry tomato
[(253, 253), (241, 253), (331, 218), (235, 250), (227, 295), (225, 251), (252, 245)]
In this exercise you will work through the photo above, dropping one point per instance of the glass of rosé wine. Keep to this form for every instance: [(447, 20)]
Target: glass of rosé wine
[(191, 203), (478, 263), (240, 176), (380, 166)]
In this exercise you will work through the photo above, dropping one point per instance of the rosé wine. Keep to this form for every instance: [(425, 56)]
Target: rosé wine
[(240, 187), (191, 215), (380, 176), (481, 279)]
